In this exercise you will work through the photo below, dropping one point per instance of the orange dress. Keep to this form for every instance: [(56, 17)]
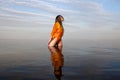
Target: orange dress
[(57, 31)]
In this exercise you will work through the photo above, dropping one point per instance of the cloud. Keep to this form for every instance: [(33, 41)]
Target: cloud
[(95, 15), (12, 11), (46, 9), (43, 5), (22, 17), (76, 12)]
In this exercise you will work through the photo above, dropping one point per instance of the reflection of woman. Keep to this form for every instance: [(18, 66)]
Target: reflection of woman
[(57, 61)]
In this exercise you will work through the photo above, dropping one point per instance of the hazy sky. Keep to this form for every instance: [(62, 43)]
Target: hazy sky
[(85, 16)]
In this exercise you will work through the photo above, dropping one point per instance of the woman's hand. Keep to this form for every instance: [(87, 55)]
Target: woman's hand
[(50, 40)]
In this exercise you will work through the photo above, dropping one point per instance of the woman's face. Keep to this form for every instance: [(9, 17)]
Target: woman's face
[(62, 19)]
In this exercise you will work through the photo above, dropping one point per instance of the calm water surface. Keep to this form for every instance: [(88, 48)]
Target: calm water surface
[(77, 60)]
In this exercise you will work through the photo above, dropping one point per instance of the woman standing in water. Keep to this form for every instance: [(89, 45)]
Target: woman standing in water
[(57, 32)]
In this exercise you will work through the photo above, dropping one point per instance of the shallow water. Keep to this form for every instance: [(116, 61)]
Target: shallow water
[(31, 59)]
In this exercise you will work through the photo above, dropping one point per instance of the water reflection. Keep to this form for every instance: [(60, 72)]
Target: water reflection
[(57, 60)]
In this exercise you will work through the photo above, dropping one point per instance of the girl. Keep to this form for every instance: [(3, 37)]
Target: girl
[(57, 32)]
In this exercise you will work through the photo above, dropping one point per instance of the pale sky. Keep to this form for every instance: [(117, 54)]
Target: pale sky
[(95, 17)]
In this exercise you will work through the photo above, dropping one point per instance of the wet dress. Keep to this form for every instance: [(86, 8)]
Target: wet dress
[(57, 31)]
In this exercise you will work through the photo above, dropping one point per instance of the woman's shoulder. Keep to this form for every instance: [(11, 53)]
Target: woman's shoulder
[(57, 24)]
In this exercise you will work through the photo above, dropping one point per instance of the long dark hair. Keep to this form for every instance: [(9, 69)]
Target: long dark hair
[(58, 19)]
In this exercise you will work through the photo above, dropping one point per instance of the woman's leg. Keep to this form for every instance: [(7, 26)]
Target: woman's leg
[(60, 43), (53, 42)]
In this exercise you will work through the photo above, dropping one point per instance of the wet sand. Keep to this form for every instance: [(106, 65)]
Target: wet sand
[(31, 59)]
